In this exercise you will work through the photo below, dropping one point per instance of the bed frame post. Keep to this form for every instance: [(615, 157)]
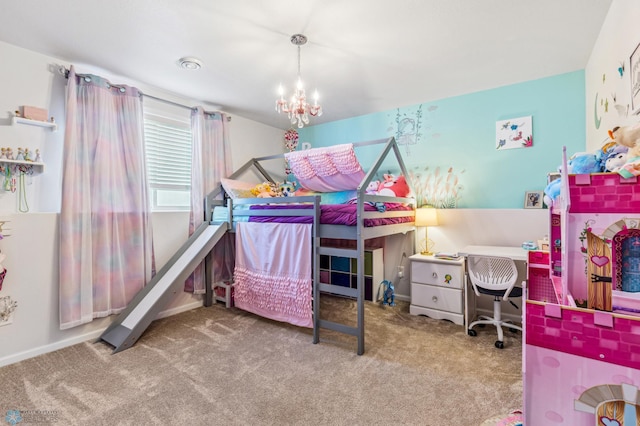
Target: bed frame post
[(360, 278), (316, 270)]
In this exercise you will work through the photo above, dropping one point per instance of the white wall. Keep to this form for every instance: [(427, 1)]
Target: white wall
[(32, 248), (618, 38)]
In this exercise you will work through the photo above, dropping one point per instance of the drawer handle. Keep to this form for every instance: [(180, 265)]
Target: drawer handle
[(435, 299), (435, 275)]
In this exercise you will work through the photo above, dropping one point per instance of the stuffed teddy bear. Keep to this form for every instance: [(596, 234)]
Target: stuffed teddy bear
[(264, 190), (628, 136)]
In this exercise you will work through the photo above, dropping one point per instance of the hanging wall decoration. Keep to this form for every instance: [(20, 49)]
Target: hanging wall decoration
[(634, 71), (514, 133), (290, 143)]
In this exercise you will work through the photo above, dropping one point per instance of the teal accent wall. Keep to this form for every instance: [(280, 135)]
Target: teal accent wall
[(449, 145)]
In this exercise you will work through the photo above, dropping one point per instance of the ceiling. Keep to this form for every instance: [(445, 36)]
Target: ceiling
[(363, 56)]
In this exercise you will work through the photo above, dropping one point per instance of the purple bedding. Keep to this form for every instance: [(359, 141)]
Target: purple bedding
[(334, 214)]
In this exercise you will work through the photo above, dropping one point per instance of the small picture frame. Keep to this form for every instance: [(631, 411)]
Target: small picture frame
[(533, 200)]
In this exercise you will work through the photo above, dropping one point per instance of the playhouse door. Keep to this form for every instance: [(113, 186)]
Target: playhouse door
[(630, 263)]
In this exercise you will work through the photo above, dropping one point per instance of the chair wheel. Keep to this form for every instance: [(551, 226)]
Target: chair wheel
[(471, 332), (499, 344)]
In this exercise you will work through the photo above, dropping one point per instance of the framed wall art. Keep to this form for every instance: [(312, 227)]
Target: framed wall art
[(533, 200), (514, 133), (634, 73)]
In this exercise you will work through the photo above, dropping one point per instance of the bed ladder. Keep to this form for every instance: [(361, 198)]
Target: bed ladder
[(353, 293), (149, 302)]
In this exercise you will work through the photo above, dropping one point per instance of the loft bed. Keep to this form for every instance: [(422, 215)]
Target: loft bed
[(362, 217)]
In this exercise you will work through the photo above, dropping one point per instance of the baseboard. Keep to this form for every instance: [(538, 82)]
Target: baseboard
[(41, 350), (92, 335), (180, 309), (403, 297)]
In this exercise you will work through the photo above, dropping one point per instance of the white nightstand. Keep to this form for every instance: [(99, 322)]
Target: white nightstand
[(437, 288)]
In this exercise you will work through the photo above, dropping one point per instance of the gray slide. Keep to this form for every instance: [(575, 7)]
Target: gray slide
[(152, 299)]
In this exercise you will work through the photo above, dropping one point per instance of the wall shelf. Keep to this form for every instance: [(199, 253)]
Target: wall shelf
[(39, 166), (38, 123)]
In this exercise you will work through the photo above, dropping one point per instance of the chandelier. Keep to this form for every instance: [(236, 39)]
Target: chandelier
[(297, 108)]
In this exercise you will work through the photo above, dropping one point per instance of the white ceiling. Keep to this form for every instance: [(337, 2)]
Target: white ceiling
[(363, 56)]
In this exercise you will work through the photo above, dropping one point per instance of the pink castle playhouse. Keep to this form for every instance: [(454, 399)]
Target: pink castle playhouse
[(581, 360)]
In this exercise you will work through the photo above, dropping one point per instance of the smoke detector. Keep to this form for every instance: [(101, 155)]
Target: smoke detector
[(190, 63)]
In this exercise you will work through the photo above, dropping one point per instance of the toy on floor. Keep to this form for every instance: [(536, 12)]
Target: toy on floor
[(388, 293)]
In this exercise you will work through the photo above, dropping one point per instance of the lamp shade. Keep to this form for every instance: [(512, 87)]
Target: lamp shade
[(426, 217)]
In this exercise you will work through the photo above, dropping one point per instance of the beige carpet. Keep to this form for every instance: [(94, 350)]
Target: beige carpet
[(217, 366)]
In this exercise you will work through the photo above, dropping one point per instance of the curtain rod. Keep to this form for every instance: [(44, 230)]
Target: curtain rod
[(166, 101), (65, 72)]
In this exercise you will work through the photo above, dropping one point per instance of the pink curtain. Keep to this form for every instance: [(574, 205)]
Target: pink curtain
[(106, 251), (210, 162)]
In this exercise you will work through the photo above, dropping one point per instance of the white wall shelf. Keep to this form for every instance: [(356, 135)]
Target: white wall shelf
[(38, 166), (21, 120)]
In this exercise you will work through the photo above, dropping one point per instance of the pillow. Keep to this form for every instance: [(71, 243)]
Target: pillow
[(237, 188)]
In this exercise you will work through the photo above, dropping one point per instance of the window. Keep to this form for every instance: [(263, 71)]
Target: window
[(168, 148)]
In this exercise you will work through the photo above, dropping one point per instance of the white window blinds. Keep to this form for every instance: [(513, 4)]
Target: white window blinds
[(168, 146)]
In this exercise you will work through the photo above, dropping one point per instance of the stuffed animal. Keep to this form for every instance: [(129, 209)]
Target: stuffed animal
[(584, 163), (388, 293), (287, 189), (394, 186), (628, 136), (551, 192), (615, 158), (372, 188), (264, 190)]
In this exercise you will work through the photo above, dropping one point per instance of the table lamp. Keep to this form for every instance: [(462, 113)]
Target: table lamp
[(425, 217)]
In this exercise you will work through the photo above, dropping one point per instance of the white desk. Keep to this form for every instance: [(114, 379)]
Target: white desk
[(518, 254), (515, 253)]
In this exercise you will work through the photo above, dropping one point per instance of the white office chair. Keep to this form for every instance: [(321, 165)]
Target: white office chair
[(494, 276)]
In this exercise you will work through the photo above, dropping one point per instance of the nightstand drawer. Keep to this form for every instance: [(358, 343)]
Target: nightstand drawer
[(440, 274), (444, 299)]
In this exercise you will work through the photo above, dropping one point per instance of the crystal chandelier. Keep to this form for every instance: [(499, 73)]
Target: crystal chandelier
[(297, 108)]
